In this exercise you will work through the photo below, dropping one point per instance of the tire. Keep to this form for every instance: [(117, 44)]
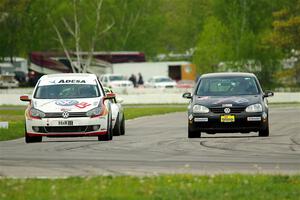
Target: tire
[(117, 128), (109, 135), (193, 134), (34, 139), (123, 125), (264, 132)]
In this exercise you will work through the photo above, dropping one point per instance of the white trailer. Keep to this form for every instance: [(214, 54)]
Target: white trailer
[(177, 70)]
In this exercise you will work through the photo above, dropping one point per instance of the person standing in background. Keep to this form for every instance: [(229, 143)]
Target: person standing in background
[(140, 80), (132, 78)]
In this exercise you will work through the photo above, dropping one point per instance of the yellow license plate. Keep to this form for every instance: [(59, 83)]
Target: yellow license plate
[(227, 118)]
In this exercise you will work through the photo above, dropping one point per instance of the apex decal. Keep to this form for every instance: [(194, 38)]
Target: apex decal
[(71, 81)]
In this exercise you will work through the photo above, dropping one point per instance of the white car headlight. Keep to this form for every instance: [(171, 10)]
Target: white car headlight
[(200, 109), (94, 112), (36, 113), (254, 108)]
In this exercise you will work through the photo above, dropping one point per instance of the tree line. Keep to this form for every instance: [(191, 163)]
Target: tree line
[(236, 35)]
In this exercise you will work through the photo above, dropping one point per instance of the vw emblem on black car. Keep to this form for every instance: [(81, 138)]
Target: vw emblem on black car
[(65, 114), (227, 110)]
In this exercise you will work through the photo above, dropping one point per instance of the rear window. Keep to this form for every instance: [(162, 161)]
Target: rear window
[(67, 91), (227, 86)]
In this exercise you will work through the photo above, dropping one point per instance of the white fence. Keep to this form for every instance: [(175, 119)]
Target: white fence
[(142, 96)]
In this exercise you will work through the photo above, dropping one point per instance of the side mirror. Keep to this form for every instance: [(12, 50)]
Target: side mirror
[(110, 96), (187, 95), (25, 98), (268, 94)]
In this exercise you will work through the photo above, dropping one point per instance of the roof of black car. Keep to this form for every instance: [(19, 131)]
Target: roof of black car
[(224, 74)]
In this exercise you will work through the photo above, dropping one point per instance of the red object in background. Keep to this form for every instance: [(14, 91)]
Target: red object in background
[(185, 84)]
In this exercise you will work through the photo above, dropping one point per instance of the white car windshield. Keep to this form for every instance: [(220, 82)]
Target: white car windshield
[(67, 91), (117, 78)]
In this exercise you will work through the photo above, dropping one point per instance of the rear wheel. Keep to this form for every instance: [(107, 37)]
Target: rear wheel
[(193, 134), (109, 135), (123, 125), (117, 128)]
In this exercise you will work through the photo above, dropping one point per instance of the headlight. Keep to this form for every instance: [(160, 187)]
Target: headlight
[(35, 113), (254, 108), (200, 109), (94, 112)]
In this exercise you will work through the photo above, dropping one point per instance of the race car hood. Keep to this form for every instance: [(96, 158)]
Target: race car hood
[(213, 101), (70, 105)]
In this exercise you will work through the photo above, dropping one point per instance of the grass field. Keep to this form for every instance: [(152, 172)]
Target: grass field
[(155, 187), (15, 117)]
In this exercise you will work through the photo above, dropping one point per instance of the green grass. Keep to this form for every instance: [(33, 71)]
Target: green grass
[(155, 187), (15, 117)]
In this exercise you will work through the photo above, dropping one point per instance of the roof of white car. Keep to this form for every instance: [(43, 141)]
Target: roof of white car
[(68, 78)]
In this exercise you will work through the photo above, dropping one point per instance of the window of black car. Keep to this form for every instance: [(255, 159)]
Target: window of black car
[(227, 86), (67, 91)]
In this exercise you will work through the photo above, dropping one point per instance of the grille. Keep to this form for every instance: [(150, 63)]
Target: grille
[(65, 129), (59, 115), (232, 110)]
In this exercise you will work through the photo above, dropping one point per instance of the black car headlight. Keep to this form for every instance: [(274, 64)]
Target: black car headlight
[(200, 109), (254, 108)]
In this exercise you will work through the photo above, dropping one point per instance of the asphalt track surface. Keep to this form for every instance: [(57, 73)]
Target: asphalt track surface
[(159, 144)]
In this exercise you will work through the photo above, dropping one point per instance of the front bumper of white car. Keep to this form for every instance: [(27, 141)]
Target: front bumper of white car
[(76, 126)]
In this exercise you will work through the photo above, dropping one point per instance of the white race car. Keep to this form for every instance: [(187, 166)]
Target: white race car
[(118, 118), (68, 105)]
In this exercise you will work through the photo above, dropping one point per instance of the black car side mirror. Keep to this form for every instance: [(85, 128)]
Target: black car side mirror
[(268, 94), (187, 95)]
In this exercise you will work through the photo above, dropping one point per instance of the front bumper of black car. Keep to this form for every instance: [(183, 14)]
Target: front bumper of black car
[(243, 122)]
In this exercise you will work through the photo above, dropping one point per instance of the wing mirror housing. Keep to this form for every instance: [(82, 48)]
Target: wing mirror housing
[(25, 98), (187, 95), (268, 93), (110, 96)]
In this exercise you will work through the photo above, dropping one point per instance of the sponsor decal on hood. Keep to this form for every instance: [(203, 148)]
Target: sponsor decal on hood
[(72, 105)]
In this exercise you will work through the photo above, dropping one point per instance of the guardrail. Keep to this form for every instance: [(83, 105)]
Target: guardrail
[(143, 96)]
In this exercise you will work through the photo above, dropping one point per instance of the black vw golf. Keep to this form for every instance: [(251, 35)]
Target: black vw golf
[(226, 103)]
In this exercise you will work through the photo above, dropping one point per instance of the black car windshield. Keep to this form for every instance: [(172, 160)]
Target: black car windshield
[(227, 86), (67, 91)]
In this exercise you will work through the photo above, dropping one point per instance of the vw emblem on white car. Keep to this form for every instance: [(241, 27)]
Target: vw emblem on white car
[(65, 114), (227, 110)]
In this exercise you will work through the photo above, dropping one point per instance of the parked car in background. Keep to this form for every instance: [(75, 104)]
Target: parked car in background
[(7, 76), (115, 81), (118, 118), (160, 82), (227, 103)]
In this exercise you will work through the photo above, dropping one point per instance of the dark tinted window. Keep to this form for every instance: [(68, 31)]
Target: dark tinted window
[(227, 86)]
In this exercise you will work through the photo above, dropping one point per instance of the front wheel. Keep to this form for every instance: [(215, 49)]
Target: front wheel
[(264, 132), (193, 134)]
